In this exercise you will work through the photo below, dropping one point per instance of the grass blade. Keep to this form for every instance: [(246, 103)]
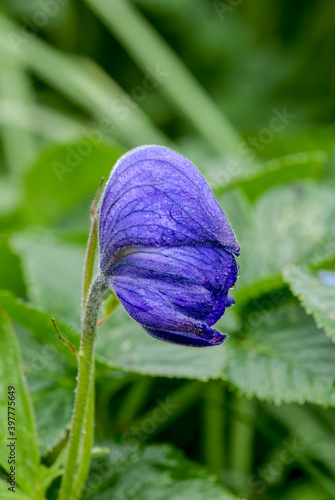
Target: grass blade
[(84, 83), (153, 55)]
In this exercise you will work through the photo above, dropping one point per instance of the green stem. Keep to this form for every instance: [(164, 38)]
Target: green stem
[(214, 420), (91, 246), (108, 389), (83, 391), (242, 434), (134, 401), (166, 411), (89, 258), (87, 444)]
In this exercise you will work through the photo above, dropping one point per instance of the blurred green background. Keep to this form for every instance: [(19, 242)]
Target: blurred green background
[(246, 91)]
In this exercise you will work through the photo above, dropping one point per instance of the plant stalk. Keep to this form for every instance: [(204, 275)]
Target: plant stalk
[(214, 429), (71, 487)]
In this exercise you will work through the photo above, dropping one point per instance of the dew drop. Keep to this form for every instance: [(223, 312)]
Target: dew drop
[(327, 277)]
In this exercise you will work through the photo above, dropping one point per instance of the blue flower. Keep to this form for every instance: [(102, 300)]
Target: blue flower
[(166, 247)]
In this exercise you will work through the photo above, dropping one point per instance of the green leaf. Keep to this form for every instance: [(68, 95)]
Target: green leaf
[(287, 225), (50, 368), (53, 272), (10, 200), (9, 495), (153, 472), (122, 343), (10, 272), (256, 180), (39, 323), (64, 176), (283, 357), (305, 490), (51, 380), (25, 435), (316, 292), (310, 436)]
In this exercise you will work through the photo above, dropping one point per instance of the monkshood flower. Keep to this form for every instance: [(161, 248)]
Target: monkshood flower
[(166, 247)]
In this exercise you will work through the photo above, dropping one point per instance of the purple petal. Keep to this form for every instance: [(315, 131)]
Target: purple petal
[(152, 304), (175, 293), (156, 197), (214, 338), (166, 247), (196, 279)]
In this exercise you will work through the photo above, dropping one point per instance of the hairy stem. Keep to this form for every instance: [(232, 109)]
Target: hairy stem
[(91, 246), (86, 444), (70, 488), (89, 260)]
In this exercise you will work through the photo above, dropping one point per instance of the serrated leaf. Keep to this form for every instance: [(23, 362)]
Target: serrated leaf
[(49, 366), (123, 344), (39, 323), (291, 224), (316, 292), (25, 435), (153, 472), (54, 274), (51, 379), (284, 359), (260, 366)]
